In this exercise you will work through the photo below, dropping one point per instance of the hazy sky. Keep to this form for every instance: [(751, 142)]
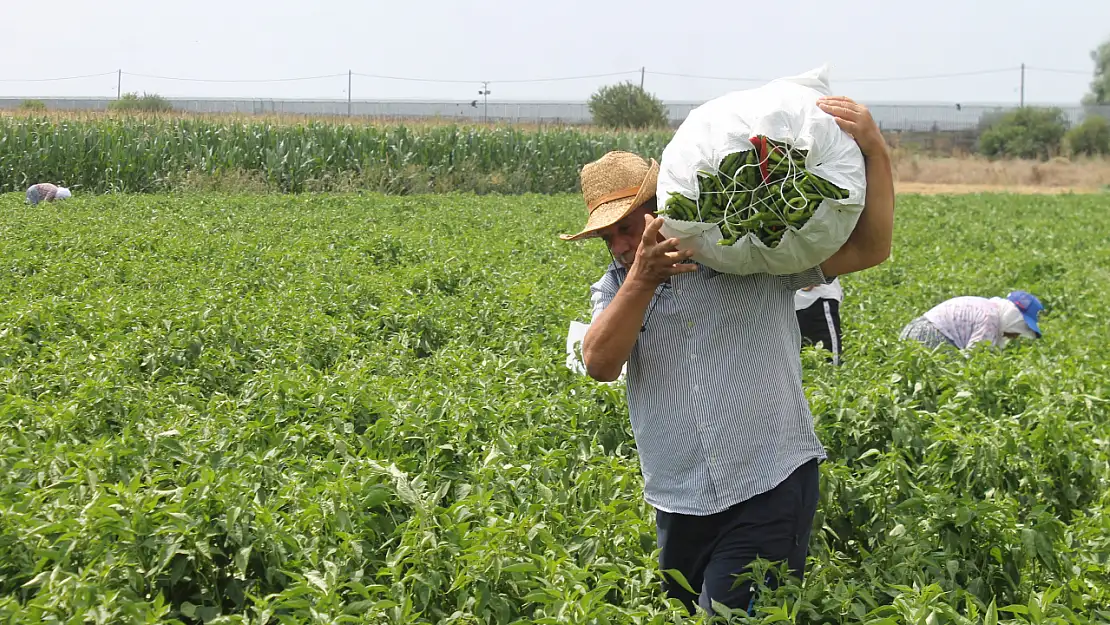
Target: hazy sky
[(498, 40)]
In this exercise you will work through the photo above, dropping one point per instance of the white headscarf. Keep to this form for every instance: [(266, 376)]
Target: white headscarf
[(1010, 320), (62, 193)]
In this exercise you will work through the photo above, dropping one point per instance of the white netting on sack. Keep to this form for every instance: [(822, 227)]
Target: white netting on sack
[(764, 191)]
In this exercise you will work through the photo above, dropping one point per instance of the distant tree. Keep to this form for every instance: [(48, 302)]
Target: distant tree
[(146, 103), (1091, 138), (1028, 132), (1100, 86), (627, 105)]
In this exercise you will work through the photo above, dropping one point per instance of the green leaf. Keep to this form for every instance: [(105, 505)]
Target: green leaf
[(996, 553), (964, 515), (723, 610), (1045, 551), (317, 580), (188, 609), (1035, 613), (680, 579), (991, 617), (384, 604), (37, 579)]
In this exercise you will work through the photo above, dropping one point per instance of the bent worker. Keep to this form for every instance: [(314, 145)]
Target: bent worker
[(967, 320), (725, 436), (46, 192), (818, 310)]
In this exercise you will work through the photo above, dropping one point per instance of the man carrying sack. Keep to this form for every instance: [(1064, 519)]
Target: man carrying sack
[(725, 437)]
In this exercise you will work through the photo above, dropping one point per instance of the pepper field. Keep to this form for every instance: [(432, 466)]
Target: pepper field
[(356, 409)]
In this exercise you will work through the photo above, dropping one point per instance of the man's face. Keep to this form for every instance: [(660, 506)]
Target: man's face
[(623, 237)]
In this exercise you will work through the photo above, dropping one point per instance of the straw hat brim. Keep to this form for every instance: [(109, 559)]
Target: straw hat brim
[(610, 213)]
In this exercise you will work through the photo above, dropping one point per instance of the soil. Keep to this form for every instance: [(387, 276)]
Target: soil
[(925, 188)]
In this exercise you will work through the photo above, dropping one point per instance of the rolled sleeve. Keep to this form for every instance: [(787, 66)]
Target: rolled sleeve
[(809, 277), (602, 293)]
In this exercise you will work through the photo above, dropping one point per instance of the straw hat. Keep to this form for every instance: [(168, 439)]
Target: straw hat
[(613, 186)]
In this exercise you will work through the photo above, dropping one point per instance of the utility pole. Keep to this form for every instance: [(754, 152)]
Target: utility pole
[(349, 93), (119, 82), (1022, 84), (484, 92), (641, 79)]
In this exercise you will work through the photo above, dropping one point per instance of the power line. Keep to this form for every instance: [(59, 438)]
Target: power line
[(507, 81), (700, 77), (443, 81), (249, 80), (640, 71), (1004, 70), (1060, 71), (842, 80), (587, 76), (112, 73)]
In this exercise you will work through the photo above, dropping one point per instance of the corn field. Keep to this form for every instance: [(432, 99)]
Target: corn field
[(150, 154)]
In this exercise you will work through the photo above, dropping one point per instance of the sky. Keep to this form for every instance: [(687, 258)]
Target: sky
[(881, 52)]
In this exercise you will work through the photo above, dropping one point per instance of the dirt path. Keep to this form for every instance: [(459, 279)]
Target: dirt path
[(925, 188)]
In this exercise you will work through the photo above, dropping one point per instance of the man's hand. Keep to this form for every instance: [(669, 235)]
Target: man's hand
[(613, 333), (855, 120), (656, 260)]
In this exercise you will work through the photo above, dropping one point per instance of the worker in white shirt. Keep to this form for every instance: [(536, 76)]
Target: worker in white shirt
[(818, 311)]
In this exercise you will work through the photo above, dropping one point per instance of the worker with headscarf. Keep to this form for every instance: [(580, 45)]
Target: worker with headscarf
[(968, 320), (46, 192)]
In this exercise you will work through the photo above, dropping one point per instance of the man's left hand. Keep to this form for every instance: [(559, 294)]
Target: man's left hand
[(855, 120)]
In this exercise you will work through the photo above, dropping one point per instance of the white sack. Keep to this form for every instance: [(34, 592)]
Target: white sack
[(783, 110)]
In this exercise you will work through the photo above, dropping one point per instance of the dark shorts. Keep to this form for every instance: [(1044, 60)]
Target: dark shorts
[(820, 323), (711, 550)]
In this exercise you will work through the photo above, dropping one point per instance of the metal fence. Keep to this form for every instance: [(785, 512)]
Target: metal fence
[(891, 117)]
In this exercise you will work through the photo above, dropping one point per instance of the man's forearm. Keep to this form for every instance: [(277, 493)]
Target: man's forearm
[(875, 229), (611, 337), (869, 243)]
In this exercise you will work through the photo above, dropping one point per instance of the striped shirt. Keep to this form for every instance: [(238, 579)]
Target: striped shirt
[(714, 387), (968, 320)]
